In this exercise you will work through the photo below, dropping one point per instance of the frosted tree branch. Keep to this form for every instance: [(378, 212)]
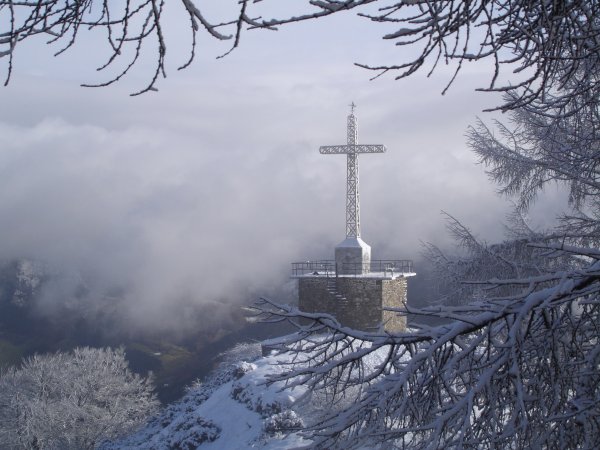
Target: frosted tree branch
[(517, 365), (72, 400), (544, 47), (506, 370)]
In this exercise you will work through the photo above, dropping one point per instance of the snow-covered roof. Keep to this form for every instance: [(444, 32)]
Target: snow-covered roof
[(353, 242)]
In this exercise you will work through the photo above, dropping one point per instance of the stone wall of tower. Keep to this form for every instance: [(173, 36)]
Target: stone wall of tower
[(355, 302), (394, 295)]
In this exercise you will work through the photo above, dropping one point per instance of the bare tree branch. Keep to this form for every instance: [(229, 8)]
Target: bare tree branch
[(507, 370), (544, 47)]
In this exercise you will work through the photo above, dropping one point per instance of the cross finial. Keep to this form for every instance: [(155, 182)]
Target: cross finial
[(352, 149)]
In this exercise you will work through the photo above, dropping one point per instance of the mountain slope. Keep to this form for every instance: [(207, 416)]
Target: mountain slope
[(233, 409)]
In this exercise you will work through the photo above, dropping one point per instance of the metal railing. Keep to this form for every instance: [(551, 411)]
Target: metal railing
[(323, 267), (392, 265), (329, 268)]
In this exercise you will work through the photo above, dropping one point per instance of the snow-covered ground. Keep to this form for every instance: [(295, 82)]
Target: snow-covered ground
[(233, 409)]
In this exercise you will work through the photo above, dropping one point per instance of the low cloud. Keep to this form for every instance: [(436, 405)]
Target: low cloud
[(183, 199)]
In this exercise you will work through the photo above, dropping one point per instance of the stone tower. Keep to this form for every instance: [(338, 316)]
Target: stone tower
[(353, 287)]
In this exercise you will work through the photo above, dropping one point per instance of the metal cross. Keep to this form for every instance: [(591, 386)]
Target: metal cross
[(352, 149)]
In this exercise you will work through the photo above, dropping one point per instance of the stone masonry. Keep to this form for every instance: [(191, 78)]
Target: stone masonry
[(356, 302)]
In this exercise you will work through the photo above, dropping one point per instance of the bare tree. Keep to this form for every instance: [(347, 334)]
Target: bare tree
[(72, 400), (545, 143), (548, 142), (464, 276), (517, 371), (544, 46)]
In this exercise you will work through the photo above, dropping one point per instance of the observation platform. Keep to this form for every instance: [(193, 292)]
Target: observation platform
[(384, 269)]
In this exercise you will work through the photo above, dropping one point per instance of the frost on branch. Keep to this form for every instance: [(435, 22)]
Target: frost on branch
[(541, 46), (478, 270), (547, 144), (72, 400), (519, 371), (129, 27), (518, 363)]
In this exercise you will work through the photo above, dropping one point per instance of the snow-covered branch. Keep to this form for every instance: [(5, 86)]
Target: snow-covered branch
[(72, 400), (544, 46), (507, 370)]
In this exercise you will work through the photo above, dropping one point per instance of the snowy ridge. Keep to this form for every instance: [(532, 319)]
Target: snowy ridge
[(233, 409)]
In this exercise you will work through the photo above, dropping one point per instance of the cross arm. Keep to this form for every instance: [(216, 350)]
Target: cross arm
[(362, 148)]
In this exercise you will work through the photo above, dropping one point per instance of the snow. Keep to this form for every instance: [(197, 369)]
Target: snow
[(353, 242), (234, 409), (241, 419)]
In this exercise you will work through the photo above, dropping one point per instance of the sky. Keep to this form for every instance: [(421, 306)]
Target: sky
[(208, 189)]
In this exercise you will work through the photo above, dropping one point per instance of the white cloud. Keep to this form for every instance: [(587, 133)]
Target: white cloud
[(209, 188)]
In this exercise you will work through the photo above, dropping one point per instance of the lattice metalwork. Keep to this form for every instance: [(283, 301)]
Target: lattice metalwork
[(352, 149)]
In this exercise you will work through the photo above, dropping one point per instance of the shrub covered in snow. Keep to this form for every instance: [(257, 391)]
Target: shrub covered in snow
[(284, 421), (245, 394), (72, 400)]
